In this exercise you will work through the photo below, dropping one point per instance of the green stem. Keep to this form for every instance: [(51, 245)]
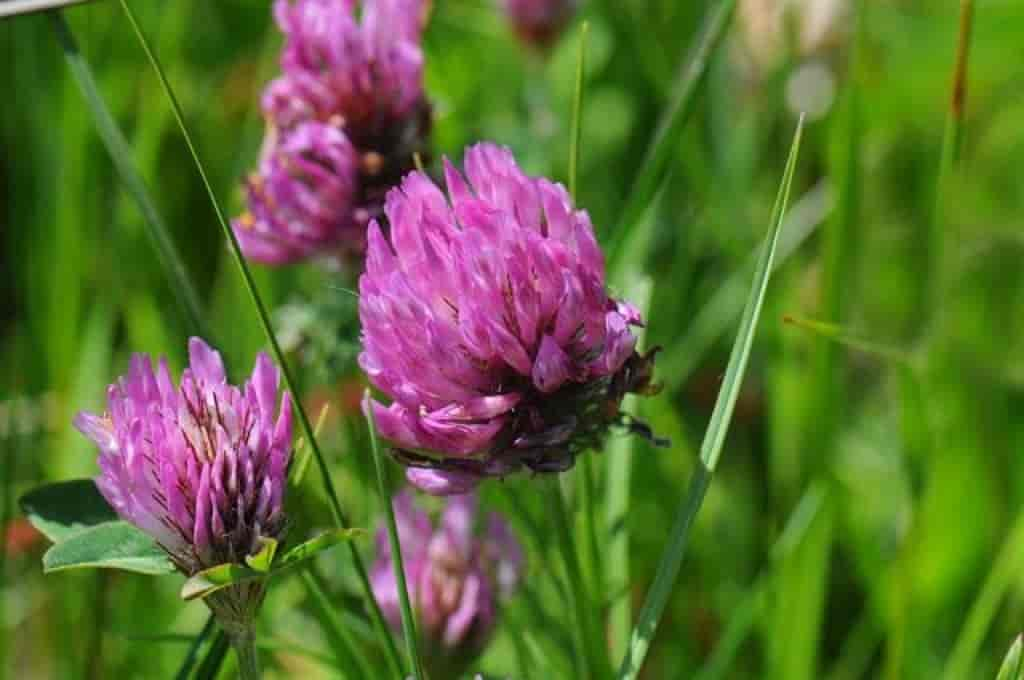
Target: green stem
[(214, 658), (588, 648), (408, 623), (244, 643), (339, 517), (193, 650)]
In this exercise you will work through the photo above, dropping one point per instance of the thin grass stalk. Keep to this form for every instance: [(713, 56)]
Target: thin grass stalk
[(348, 657), (193, 649), (587, 475), (408, 621), (120, 153), (1005, 571), (214, 658), (950, 156), (673, 119), (339, 517), (619, 473), (714, 438), (589, 647)]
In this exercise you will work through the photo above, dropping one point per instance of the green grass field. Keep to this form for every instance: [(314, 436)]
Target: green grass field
[(865, 519)]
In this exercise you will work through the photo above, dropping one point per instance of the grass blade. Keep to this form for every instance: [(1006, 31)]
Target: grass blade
[(691, 76), (121, 155), (714, 438), (1005, 571), (619, 472), (12, 8), (339, 517), (408, 622), (576, 132), (214, 659)]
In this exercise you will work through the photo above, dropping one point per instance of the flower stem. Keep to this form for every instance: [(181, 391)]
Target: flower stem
[(593, 662), (244, 643), (408, 623)]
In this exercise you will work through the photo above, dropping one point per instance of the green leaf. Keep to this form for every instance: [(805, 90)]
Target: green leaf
[(1012, 669), (110, 545), (262, 560), (61, 510), (315, 546), (714, 438), (209, 581)]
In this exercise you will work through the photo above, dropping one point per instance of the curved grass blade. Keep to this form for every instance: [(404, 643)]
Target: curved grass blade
[(339, 516), (1005, 571), (121, 155), (714, 438), (13, 8), (408, 622), (1013, 667), (688, 85)]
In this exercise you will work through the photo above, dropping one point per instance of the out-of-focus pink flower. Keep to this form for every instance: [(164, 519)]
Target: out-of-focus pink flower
[(456, 573), (300, 199), (539, 22), (362, 77), (486, 320), (201, 466)]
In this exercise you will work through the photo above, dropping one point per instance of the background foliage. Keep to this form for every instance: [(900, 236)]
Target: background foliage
[(865, 521)]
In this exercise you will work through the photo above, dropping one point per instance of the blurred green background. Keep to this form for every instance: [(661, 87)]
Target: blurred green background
[(866, 519)]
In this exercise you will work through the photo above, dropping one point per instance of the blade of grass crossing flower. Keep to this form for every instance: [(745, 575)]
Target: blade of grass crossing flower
[(264, 317), (121, 155), (1005, 571), (408, 622), (714, 438), (688, 86), (619, 472)]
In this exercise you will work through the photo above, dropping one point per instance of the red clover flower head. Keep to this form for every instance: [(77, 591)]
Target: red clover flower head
[(349, 100), (201, 466), (456, 573), (487, 322)]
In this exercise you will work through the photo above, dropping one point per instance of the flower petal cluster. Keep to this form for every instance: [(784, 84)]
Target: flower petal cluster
[(344, 119), (539, 22), (200, 466), (456, 572), (487, 322)]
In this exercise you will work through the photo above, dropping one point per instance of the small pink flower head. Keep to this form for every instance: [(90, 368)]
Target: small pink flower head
[(300, 200), (357, 82), (539, 23), (201, 466), (486, 321), (456, 573)]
